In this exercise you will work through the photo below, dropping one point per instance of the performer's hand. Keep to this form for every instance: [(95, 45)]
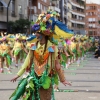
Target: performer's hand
[(14, 79), (66, 83)]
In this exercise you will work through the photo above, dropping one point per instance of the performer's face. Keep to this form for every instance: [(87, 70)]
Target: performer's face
[(39, 36)]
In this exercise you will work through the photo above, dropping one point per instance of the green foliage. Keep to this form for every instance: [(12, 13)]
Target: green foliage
[(19, 25)]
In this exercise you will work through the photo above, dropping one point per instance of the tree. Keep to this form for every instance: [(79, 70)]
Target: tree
[(18, 26), (11, 27), (21, 24)]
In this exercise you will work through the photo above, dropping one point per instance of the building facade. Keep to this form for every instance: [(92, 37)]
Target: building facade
[(73, 14), (93, 19), (25, 9), (17, 9), (36, 7), (54, 5)]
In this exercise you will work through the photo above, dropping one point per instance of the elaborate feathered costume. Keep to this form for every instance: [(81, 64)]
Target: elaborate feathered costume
[(41, 61)]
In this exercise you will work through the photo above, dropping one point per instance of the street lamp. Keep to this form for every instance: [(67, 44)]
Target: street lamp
[(7, 14)]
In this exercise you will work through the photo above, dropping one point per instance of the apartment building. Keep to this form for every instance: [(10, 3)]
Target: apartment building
[(27, 9), (73, 15), (17, 9), (65, 13), (93, 19), (36, 7), (54, 5)]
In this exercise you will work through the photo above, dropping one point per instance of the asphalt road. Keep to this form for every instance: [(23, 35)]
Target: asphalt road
[(85, 80)]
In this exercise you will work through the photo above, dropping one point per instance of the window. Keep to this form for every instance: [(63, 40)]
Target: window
[(20, 9), (45, 0), (90, 32), (1, 6), (91, 19), (39, 5), (13, 7)]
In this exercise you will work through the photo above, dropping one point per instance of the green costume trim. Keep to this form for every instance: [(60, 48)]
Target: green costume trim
[(32, 83), (16, 52), (9, 59), (63, 60), (19, 90), (5, 54), (82, 51)]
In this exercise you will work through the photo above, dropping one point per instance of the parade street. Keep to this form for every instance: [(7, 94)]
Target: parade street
[(85, 80)]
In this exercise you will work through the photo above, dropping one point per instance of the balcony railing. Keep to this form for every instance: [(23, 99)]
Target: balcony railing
[(93, 34), (93, 22), (92, 28), (78, 11), (76, 3), (78, 20), (77, 28)]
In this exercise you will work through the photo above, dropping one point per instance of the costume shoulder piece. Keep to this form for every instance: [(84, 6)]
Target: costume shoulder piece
[(50, 47), (33, 46)]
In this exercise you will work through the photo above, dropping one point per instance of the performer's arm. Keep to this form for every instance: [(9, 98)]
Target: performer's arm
[(24, 66), (59, 70), (26, 63)]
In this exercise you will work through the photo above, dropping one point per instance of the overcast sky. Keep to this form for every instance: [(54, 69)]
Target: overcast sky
[(93, 1)]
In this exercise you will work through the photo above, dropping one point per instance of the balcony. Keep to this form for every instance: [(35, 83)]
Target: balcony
[(92, 22), (93, 34), (78, 20), (92, 28), (80, 12), (77, 28), (74, 3), (77, 13)]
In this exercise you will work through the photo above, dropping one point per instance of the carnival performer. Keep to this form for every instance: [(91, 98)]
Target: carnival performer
[(63, 54), (5, 55), (24, 51), (70, 52), (85, 44), (82, 48), (17, 49), (97, 51), (42, 69), (62, 57), (42, 60), (73, 49), (68, 42)]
